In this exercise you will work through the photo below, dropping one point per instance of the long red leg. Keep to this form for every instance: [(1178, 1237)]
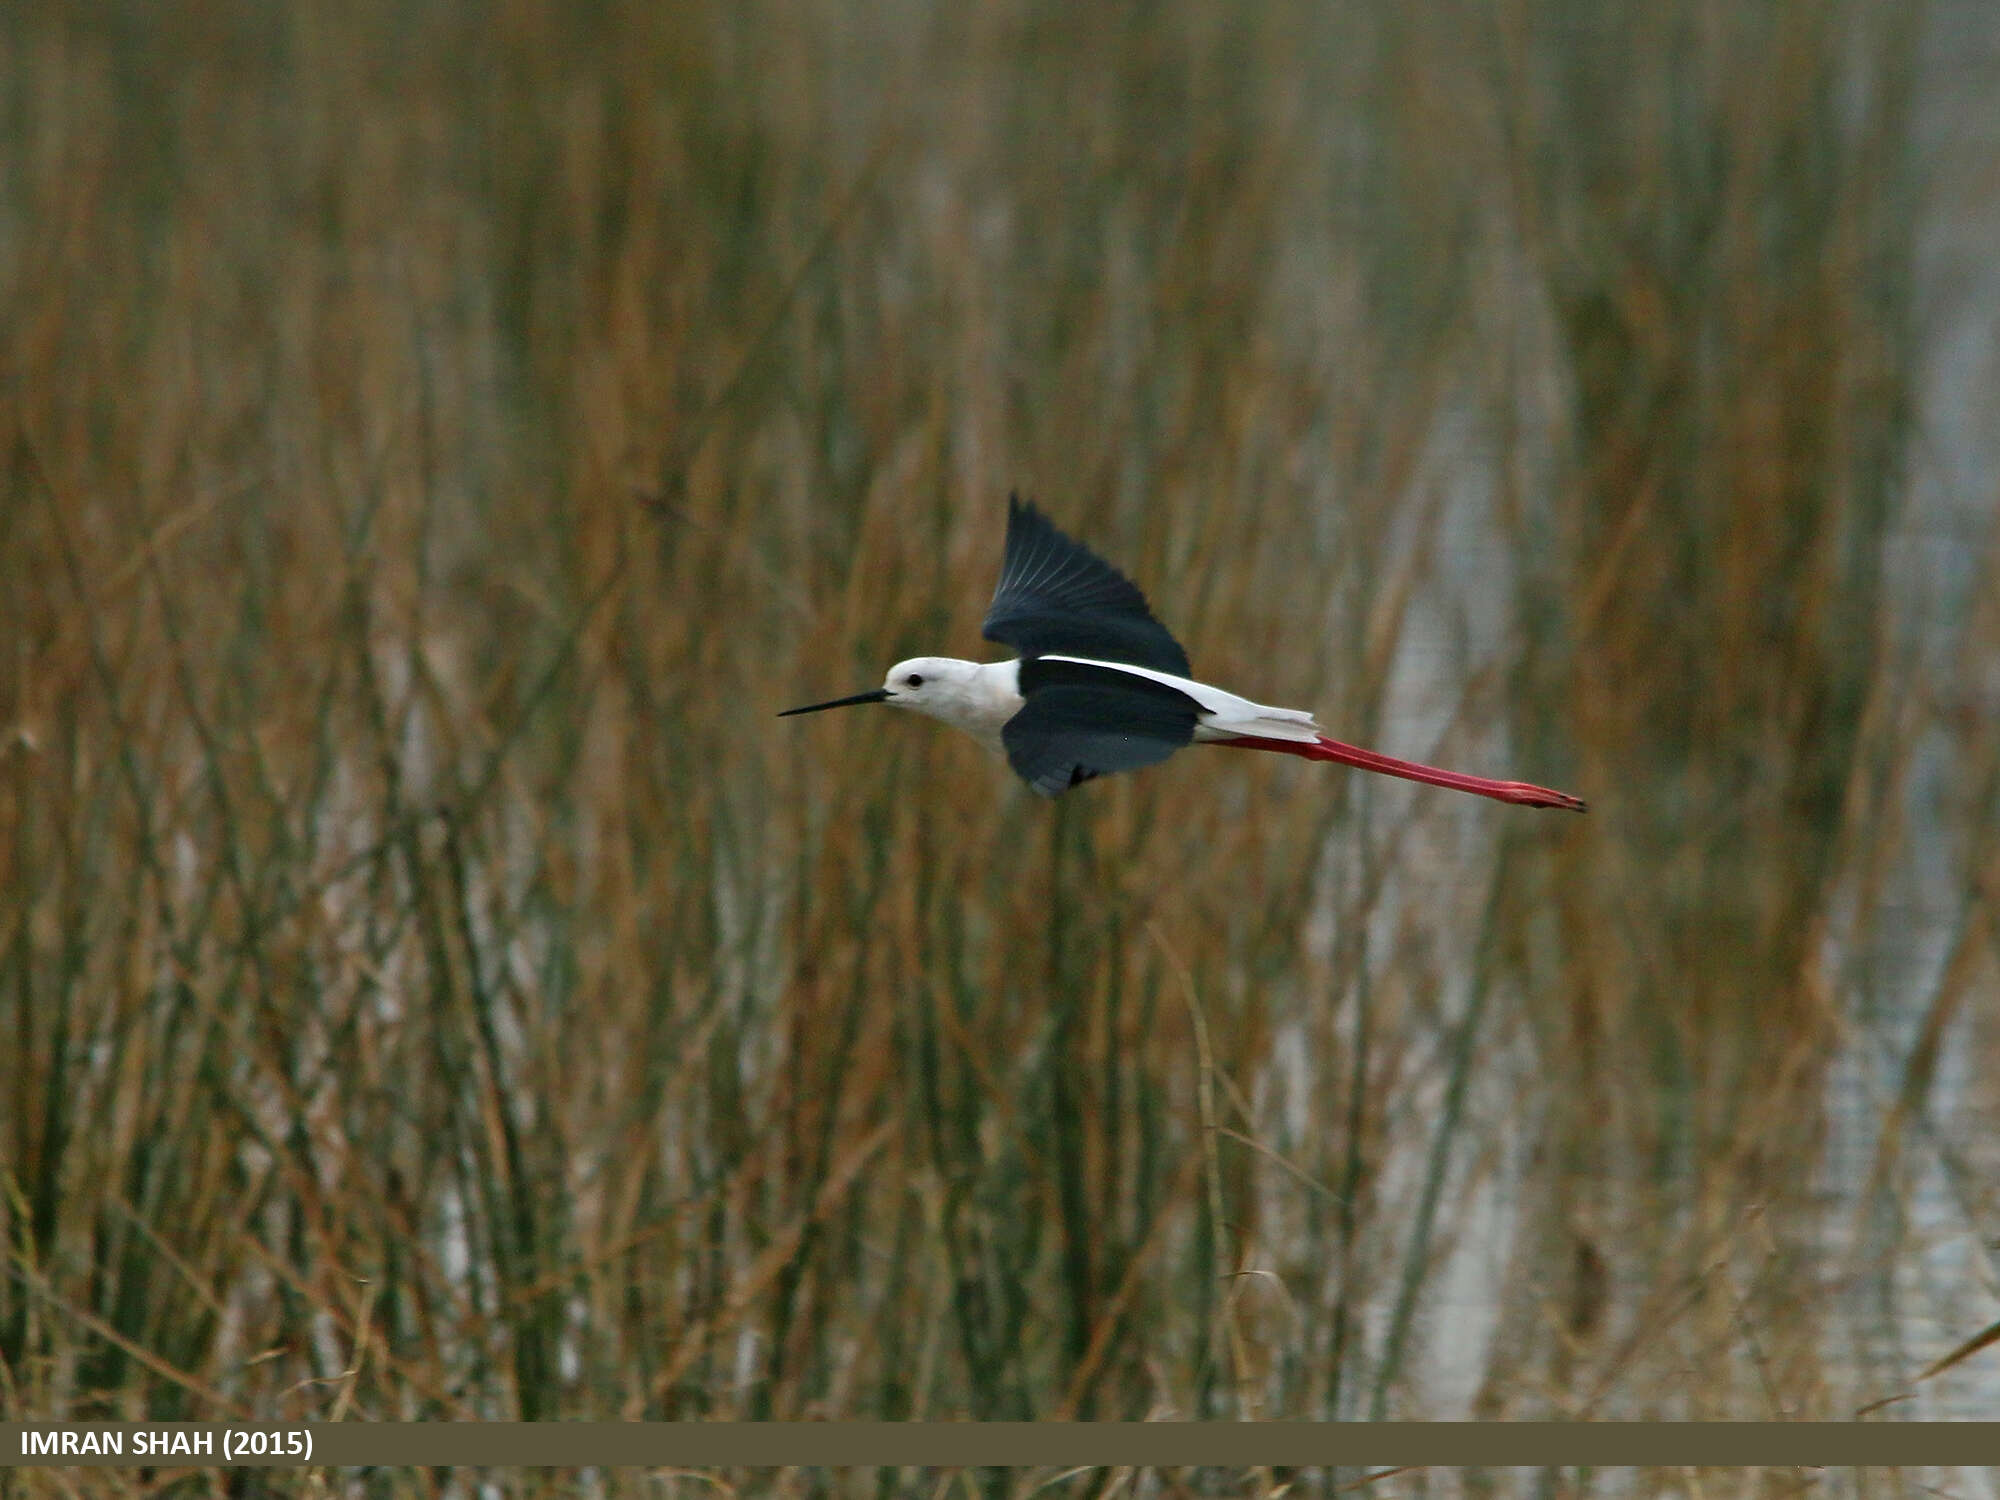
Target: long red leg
[(1368, 760)]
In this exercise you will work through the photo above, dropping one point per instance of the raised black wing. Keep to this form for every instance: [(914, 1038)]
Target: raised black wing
[(1056, 595), (1081, 721)]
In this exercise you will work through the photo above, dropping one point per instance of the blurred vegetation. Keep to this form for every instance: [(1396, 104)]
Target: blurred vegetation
[(435, 439)]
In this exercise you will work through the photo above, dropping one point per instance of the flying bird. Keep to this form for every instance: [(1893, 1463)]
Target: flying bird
[(1101, 686)]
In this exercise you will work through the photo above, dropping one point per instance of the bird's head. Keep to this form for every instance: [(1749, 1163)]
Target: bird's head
[(934, 685), (940, 686)]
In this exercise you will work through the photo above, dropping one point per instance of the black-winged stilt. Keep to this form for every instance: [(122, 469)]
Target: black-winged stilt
[(1101, 686)]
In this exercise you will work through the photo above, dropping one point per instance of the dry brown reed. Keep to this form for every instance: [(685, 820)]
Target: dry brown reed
[(438, 437)]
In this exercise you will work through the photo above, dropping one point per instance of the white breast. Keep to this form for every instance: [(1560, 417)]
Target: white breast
[(992, 697)]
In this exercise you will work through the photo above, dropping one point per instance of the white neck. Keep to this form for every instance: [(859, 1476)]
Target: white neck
[(978, 697)]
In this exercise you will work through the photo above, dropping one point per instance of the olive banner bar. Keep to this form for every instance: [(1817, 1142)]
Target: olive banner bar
[(173, 1445)]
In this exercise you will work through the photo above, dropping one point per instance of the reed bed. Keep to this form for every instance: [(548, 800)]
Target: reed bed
[(437, 438)]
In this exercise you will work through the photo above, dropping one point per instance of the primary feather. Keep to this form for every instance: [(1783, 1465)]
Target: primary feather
[(1056, 596)]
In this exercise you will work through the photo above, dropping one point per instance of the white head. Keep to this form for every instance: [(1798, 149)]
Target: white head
[(941, 686), (962, 693)]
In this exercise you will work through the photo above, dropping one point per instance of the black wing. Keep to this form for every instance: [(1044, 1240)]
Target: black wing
[(1056, 595), (1081, 721)]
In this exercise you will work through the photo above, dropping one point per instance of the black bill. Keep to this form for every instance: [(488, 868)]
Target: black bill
[(873, 695)]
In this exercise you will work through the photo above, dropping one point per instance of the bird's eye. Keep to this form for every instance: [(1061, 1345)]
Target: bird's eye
[(915, 679)]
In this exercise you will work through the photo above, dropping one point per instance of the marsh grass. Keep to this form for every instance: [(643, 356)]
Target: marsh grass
[(436, 442)]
